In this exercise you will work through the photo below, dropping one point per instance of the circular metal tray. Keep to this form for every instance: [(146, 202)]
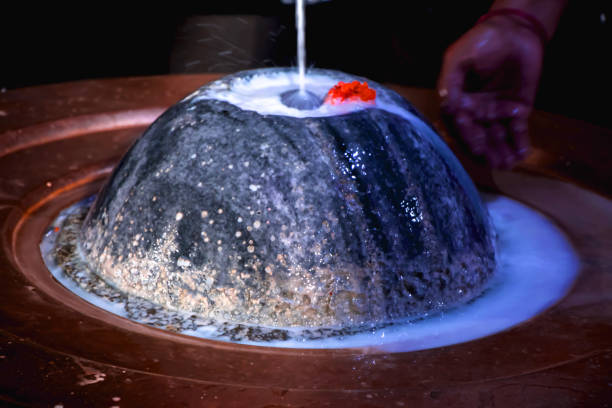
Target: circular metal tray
[(58, 143)]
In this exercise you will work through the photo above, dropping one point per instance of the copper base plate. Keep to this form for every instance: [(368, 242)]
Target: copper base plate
[(57, 145)]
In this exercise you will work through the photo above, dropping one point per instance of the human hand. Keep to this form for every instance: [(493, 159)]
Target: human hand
[(488, 85)]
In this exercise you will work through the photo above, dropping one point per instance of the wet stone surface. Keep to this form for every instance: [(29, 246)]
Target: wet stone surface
[(342, 221), (61, 254)]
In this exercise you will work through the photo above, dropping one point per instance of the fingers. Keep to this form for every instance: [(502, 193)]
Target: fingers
[(508, 132), (501, 142), (499, 153), (488, 107), (507, 110), (473, 133), (492, 128), (520, 136)]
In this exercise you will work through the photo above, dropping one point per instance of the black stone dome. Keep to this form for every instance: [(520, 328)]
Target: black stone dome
[(343, 220)]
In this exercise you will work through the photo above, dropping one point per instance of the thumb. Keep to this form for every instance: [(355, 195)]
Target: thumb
[(451, 83)]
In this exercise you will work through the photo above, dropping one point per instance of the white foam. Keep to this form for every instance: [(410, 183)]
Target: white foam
[(261, 93), (537, 267)]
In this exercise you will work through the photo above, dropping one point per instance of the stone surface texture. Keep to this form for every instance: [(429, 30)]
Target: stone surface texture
[(339, 221)]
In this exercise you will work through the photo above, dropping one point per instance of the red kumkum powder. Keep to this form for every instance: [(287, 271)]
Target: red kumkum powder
[(351, 92)]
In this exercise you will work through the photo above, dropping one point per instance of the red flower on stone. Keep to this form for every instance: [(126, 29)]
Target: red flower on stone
[(350, 92)]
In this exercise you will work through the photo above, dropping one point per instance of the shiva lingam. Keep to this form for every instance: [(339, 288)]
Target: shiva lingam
[(344, 213)]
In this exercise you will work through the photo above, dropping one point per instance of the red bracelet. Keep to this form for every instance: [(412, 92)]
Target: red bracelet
[(533, 23)]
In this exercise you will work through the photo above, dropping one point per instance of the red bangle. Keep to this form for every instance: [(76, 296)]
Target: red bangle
[(533, 23)]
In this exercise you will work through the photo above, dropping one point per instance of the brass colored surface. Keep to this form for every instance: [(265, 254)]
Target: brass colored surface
[(59, 142)]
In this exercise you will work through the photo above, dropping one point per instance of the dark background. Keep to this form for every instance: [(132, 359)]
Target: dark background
[(374, 39)]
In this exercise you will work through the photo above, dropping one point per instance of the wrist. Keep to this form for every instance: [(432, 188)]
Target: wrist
[(520, 18), (547, 12)]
